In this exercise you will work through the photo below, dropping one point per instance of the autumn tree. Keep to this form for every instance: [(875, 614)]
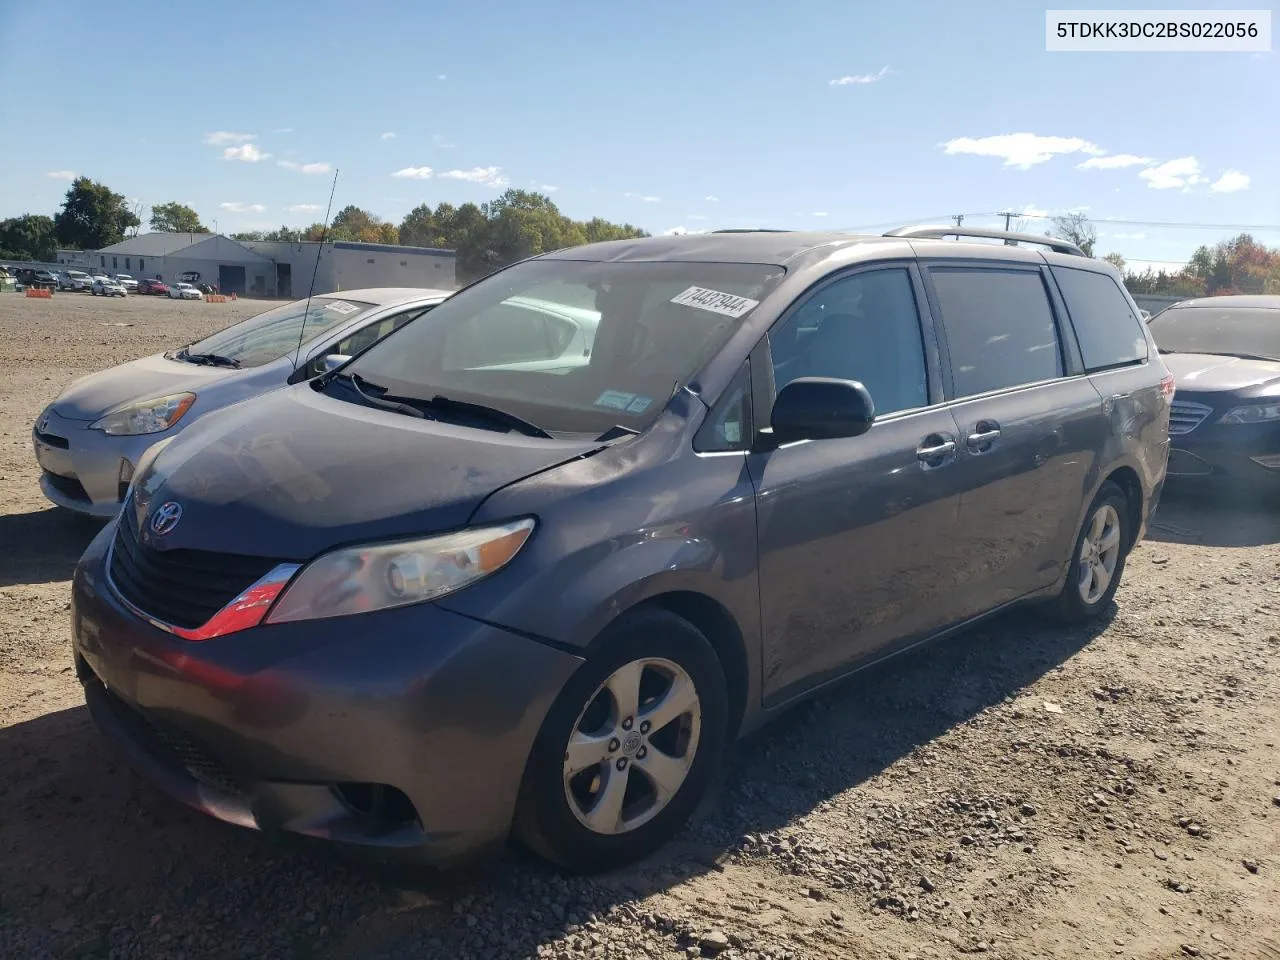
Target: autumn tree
[(28, 237), (1076, 228), (92, 216), (1116, 260), (176, 218)]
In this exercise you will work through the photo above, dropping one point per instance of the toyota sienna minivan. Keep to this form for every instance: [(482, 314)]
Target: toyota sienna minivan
[(489, 578)]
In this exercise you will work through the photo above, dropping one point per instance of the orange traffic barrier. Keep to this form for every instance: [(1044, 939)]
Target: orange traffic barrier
[(39, 293), (215, 298)]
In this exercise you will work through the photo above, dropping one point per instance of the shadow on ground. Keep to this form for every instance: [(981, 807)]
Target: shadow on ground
[(42, 546), (1210, 517), (98, 864)]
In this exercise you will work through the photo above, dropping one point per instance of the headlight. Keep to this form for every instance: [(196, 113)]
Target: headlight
[(382, 575), (1253, 413), (146, 416)]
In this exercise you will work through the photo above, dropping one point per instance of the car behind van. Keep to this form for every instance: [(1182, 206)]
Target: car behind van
[(491, 579)]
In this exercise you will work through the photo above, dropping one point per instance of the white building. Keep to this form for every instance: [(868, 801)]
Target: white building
[(269, 268)]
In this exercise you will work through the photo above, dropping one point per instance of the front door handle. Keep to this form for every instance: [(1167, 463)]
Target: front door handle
[(984, 436), (936, 450)]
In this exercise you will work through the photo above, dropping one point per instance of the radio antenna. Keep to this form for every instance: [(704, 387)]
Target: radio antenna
[(324, 233)]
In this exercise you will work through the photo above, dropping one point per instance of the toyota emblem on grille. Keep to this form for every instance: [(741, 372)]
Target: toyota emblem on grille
[(166, 518)]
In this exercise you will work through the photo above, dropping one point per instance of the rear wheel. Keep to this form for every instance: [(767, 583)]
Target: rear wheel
[(629, 747), (1097, 563)]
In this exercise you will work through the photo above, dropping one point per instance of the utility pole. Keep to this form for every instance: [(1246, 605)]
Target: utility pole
[(959, 219), (1008, 217)]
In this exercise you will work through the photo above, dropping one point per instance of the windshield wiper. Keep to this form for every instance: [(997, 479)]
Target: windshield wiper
[(481, 412), (207, 359), (380, 401)]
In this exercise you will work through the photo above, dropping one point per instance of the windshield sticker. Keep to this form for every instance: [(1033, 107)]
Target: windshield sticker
[(714, 301), (639, 405), (342, 307), (615, 399)]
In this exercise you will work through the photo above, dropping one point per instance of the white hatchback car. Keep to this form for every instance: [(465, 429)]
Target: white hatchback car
[(184, 291), (106, 287)]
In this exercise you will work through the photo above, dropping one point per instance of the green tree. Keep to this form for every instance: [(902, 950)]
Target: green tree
[(1076, 228), (176, 218), (28, 237), (419, 227), (92, 216)]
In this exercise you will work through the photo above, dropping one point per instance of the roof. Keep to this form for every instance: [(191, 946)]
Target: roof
[(777, 247), (387, 296), (156, 244), (1252, 301)]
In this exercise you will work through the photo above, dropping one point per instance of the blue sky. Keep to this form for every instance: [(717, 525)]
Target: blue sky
[(664, 114)]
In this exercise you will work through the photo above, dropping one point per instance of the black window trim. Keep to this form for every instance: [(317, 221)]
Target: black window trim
[(924, 314), (1068, 349), (1075, 334)]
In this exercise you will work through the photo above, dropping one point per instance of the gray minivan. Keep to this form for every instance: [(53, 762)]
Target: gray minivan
[(487, 577)]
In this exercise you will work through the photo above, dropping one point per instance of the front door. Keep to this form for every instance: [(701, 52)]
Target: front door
[(856, 535)]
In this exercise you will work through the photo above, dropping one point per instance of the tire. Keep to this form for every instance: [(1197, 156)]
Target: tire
[(551, 814), (1080, 602)]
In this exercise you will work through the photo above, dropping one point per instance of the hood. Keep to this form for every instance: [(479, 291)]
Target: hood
[(295, 473), (90, 397), (1211, 373)]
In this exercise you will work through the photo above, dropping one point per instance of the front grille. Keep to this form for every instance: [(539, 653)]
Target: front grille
[(1185, 416), (62, 443), (172, 746), (184, 588), (67, 486)]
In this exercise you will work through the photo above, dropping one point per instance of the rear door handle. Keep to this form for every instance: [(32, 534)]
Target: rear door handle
[(984, 436), (936, 450)]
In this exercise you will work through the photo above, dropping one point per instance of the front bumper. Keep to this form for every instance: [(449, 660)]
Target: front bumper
[(1227, 452), (403, 732), (80, 469)]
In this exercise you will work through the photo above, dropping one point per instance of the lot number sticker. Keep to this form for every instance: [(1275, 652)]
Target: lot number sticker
[(342, 307), (715, 301)]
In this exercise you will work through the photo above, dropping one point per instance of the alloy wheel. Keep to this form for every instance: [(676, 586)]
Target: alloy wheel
[(1099, 554)]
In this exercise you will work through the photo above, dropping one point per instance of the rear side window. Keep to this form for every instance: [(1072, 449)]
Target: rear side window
[(1000, 328), (1110, 334)]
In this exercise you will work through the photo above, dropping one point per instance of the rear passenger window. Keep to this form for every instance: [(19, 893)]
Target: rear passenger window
[(1110, 334), (999, 326)]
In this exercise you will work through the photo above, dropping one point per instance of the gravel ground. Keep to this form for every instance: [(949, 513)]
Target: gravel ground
[(1023, 791)]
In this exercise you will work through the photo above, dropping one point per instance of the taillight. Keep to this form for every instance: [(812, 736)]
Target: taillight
[(1166, 387)]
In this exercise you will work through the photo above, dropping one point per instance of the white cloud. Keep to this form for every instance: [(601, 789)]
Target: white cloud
[(821, 213), (860, 78), (548, 188), (1117, 161), (1031, 210), (1183, 172), (442, 76), (237, 207), (1021, 150), (304, 208), (680, 232), (711, 199), (1231, 181), (443, 142), (389, 135), (413, 173), (61, 174), (223, 138), (248, 153), (487, 176), (309, 168)]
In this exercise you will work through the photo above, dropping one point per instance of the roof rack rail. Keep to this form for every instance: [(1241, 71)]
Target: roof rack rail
[(937, 233), (752, 230)]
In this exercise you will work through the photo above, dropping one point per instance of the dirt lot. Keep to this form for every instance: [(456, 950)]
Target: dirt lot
[(1024, 791)]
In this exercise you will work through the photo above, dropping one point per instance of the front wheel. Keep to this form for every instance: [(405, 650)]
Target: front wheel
[(1097, 563), (629, 748)]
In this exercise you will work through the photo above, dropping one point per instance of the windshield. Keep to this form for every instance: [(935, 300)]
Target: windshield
[(572, 346), (273, 334), (1234, 331)]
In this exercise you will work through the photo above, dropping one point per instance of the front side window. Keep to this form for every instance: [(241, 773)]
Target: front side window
[(862, 327), (571, 346), (1225, 330), (1109, 332), (1000, 328), (277, 332)]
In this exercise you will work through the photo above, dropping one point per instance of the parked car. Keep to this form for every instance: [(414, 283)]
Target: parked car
[(156, 287), (127, 282), (184, 291), (107, 287), (1225, 354), (88, 441), (550, 597), (39, 279), (78, 280)]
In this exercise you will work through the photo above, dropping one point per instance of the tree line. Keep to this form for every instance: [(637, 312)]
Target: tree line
[(518, 224)]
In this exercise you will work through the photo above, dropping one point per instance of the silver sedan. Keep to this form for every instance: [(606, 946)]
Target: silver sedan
[(89, 439)]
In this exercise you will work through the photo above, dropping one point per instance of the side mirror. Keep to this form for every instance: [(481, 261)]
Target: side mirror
[(821, 408), (332, 362)]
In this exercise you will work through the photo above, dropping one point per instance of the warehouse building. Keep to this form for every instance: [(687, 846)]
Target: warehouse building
[(268, 268)]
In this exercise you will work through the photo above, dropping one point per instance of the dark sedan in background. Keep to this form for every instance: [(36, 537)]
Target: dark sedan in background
[(1224, 353)]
